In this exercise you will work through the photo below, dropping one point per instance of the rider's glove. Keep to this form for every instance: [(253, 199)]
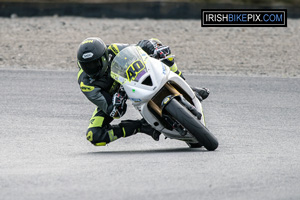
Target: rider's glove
[(118, 106), (162, 52), (154, 49), (147, 46)]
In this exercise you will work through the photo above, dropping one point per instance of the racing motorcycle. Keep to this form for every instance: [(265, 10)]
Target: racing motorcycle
[(162, 97)]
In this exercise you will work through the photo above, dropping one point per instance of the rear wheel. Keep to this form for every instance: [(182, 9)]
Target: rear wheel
[(193, 125)]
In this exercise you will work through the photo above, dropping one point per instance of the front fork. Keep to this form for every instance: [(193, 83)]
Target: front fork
[(172, 124), (190, 107)]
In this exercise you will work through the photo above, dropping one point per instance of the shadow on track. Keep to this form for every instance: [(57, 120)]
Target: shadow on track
[(150, 151)]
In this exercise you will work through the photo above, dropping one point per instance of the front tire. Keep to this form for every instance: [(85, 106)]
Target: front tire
[(193, 125)]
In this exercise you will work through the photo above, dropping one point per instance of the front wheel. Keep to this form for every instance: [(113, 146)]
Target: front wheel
[(193, 125)]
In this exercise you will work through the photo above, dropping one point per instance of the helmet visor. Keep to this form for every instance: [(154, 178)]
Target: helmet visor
[(92, 68)]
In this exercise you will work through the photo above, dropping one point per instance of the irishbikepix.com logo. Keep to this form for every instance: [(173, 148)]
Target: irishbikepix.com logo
[(244, 18)]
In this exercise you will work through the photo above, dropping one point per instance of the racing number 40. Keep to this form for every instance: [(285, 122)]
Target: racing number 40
[(134, 69)]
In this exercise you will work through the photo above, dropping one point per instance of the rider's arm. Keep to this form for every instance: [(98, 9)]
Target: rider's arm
[(157, 50), (100, 98), (170, 62), (115, 48)]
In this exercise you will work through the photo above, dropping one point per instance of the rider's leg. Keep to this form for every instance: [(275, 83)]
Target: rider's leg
[(147, 129), (201, 93), (100, 132), (134, 126)]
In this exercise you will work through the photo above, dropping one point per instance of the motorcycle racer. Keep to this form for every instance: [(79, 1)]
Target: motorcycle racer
[(94, 60)]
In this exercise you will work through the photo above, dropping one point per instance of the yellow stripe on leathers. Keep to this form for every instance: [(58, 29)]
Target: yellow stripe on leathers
[(174, 67), (86, 88), (100, 144), (112, 137), (79, 73), (89, 136), (96, 121)]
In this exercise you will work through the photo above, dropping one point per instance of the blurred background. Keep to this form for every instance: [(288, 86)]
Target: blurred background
[(155, 9), (44, 34)]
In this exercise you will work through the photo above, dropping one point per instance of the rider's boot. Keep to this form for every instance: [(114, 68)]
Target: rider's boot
[(147, 129), (201, 93)]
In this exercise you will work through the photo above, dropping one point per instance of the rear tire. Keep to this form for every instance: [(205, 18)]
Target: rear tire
[(193, 125)]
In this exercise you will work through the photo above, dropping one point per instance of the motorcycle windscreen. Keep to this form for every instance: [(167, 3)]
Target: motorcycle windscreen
[(129, 64)]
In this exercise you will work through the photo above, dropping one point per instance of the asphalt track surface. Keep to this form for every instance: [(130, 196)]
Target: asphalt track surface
[(44, 153)]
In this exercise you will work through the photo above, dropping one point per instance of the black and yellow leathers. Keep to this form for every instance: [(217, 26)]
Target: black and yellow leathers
[(100, 91)]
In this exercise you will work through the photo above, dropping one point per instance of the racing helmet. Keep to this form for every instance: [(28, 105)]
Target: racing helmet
[(92, 57)]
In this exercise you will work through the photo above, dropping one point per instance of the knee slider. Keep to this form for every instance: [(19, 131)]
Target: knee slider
[(90, 137)]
